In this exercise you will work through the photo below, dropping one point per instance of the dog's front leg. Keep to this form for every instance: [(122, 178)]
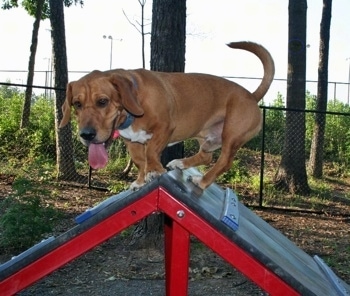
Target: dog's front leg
[(154, 148), (138, 156)]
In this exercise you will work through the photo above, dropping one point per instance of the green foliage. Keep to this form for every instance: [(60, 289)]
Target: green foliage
[(236, 174), (11, 101), (7, 91), (8, 4), (337, 133), (117, 150), (191, 147), (274, 128), (31, 5), (337, 137), (118, 186), (36, 140), (310, 120), (42, 127), (68, 3), (25, 216)]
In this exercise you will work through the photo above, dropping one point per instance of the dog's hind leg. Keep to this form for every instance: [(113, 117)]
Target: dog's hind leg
[(222, 165), (233, 139), (201, 158)]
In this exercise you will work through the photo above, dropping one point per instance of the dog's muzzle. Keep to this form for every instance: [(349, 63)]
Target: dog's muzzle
[(88, 134), (97, 155)]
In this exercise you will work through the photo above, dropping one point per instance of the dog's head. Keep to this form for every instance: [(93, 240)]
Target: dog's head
[(101, 101)]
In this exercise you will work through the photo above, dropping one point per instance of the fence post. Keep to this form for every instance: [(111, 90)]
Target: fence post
[(262, 158)]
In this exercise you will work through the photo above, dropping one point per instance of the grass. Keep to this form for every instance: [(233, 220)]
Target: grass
[(26, 216)]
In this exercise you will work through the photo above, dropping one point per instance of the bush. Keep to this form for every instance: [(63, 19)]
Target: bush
[(42, 128), (274, 129), (337, 136), (37, 139)]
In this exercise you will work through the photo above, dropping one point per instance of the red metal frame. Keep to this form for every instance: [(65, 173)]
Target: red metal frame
[(180, 222), (177, 254), (234, 255)]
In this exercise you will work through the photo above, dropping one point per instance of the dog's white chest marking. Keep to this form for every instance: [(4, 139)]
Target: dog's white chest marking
[(139, 136)]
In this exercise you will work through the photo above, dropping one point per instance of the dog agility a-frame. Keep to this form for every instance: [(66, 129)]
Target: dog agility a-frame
[(214, 216)]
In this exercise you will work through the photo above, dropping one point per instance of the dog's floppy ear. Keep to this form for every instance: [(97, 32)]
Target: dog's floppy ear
[(66, 107), (128, 97)]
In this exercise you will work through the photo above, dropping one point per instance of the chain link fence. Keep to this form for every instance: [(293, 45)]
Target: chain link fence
[(34, 149), (300, 146)]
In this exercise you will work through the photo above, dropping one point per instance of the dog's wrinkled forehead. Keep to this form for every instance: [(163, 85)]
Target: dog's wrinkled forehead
[(92, 87)]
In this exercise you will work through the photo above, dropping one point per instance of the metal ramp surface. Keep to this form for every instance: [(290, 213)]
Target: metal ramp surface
[(214, 216)]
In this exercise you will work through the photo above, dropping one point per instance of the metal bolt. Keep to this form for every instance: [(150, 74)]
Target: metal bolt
[(180, 213)]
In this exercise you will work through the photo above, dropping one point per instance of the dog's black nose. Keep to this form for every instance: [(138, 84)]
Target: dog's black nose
[(88, 133)]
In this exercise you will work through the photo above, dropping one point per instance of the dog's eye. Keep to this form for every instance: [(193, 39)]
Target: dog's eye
[(103, 102), (77, 105)]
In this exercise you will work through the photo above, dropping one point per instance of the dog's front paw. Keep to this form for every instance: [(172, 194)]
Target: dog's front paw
[(176, 164), (196, 179), (150, 176), (136, 186)]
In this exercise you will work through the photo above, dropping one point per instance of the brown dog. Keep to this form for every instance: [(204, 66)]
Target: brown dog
[(152, 110)]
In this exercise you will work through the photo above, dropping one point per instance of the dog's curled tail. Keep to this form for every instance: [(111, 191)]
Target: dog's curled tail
[(267, 61)]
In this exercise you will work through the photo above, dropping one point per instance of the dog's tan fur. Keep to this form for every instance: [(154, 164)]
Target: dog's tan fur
[(169, 108)]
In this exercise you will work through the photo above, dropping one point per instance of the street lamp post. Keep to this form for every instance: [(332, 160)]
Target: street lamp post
[(111, 53), (47, 75)]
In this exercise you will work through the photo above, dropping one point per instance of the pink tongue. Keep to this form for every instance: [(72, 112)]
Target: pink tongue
[(98, 156)]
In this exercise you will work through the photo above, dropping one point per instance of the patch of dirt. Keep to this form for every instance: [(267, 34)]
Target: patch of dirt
[(114, 268)]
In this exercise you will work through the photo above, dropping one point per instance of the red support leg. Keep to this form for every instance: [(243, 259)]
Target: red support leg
[(229, 251), (177, 251)]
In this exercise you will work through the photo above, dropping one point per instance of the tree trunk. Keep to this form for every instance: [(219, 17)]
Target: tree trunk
[(64, 143), (168, 39), (291, 174), (143, 3), (316, 154), (31, 65), (168, 42)]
